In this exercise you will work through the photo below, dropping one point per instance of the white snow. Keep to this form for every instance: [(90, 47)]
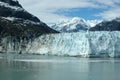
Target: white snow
[(9, 6), (10, 18), (92, 23), (25, 21), (77, 23)]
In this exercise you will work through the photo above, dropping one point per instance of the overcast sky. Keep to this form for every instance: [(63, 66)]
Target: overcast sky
[(51, 11)]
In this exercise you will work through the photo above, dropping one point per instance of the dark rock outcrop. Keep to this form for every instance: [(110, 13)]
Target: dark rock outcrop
[(16, 21), (113, 25)]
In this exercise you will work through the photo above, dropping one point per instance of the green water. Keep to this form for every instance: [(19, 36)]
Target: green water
[(34, 67)]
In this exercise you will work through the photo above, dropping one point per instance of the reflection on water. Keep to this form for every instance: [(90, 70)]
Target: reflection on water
[(59, 68)]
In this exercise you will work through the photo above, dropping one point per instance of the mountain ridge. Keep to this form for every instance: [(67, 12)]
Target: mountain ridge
[(113, 25), (75, 24), (16, 21)]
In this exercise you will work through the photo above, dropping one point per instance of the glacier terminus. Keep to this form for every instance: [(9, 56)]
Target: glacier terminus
[(82, 44)]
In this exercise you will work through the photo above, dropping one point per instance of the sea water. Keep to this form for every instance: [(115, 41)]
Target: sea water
[(38, 67)]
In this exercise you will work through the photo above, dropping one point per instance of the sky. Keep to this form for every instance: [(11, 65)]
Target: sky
[(53, 11)]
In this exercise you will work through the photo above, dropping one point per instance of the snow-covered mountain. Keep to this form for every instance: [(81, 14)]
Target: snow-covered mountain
[(76, 24), (16, 21), (113, 25)]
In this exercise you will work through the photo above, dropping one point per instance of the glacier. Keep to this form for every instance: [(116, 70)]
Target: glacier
[(82, 44)]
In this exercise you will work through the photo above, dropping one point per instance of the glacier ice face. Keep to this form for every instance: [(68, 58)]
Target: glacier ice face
[(83, 44), (98, 44), (60, 44)]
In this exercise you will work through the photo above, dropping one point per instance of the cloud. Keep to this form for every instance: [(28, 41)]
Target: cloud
[(45, 9), (57, 4), (110, 14), (104, 2), (111, 11)]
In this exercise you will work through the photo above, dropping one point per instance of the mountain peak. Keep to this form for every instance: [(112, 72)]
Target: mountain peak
[(75, 24), (77, 19)]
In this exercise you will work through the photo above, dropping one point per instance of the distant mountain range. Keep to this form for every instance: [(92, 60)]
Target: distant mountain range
[(75, 25), (16, 21), (78, 24), (113, 25)]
